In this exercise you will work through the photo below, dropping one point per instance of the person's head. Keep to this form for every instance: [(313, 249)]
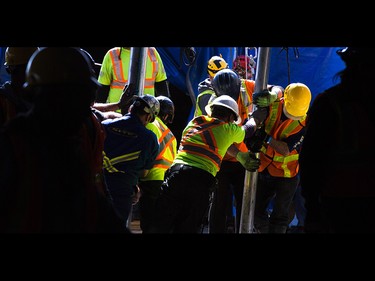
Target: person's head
[(226, 82), (167, 108), (244, 66), (297, 98), (146, 106), (215, 64), (61, 80), (360, 64), (355, 55), (16, 59), (224, 108), (94, 65)]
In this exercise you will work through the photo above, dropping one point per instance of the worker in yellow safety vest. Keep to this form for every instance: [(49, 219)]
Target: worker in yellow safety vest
[(205, 90), (114, 74)]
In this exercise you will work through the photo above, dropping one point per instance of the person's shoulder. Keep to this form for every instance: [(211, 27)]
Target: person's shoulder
[(109, 51), (119, 120), (207, 91), (152, 127), (328, 94), (113, 49), (248, 81), (151, 136)]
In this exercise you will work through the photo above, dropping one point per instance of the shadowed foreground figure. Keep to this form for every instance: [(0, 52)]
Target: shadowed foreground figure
[(337, 156), (51, 157)]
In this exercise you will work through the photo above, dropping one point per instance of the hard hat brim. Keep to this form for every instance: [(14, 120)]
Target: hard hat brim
[(291, 116), (209, 112)]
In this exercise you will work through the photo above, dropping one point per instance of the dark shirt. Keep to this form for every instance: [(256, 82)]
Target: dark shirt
[(128, 138)]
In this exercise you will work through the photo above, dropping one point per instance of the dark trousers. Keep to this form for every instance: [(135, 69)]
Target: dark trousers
[(230, 184), (184, 200), (121, 193), (147, 203), (281, 191)]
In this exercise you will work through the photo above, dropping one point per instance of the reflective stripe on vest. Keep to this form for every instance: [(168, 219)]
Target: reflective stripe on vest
[(245, 99), (119, 79), (208, 149), (165, 142), (199, 104), (108, 163)]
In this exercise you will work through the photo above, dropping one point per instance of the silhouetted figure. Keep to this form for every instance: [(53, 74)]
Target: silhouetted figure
[(337, 157), (51, 176)]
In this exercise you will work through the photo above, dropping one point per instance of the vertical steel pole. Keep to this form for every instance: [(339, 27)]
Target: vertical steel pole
[(250, 181), (137, 69)]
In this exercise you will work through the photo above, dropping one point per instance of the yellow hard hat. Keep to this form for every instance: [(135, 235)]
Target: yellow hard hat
[(297, 97), (18, 55), (215, 64)]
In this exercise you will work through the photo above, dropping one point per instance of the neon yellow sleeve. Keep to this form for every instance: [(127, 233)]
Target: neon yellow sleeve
[(161, 75), (106, 70)]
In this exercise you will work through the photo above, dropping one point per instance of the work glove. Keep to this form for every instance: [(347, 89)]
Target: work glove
[(127, 98), (256, 141), (264, 98), (260, 114), (248, 160)]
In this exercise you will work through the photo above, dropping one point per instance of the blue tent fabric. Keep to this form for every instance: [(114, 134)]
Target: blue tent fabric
[(4, 76), (316, 67), (177, 69)]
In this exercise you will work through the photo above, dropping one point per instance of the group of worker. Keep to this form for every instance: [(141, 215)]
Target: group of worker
[(79, 150)]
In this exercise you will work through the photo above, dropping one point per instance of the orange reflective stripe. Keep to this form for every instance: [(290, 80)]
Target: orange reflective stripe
[(150, 81), (203, 152), (208, 149), (119, 80)]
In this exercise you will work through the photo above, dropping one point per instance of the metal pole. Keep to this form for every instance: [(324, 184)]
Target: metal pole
[(137, 69), (251, 178)]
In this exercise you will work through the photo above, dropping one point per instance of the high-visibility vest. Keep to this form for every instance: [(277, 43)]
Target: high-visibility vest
[(199, 104), (115, 71), (204, 142), (277, 164), (167, 150)]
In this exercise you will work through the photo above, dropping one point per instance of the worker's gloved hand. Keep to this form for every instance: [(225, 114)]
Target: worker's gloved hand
[(256, 141), (264, 98), (260, 114), (127, 98), (248, 160)]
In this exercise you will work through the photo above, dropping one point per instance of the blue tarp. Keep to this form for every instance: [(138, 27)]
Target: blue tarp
[(313, 66), (4, 76)]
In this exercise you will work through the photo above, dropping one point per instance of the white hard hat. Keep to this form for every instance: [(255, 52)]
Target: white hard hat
[(226, 101)]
